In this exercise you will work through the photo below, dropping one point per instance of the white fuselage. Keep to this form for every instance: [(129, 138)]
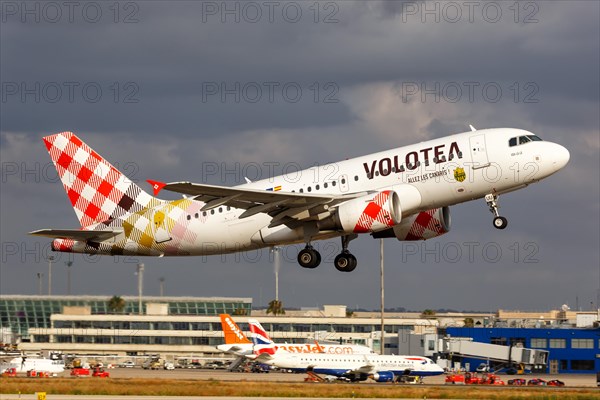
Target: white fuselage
[(431, 174), (349, 365), (246, 349), (24, 364)]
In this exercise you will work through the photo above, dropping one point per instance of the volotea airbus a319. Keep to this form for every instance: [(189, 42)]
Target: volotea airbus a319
[(403, 193)]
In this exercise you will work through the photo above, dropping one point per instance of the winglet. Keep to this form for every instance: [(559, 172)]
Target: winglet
[(156, 186), (472, 128)]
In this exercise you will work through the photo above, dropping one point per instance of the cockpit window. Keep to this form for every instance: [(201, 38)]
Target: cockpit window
[(522, 140)]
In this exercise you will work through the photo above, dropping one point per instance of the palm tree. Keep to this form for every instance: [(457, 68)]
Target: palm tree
[(116, 304), (275, 307), (469, 322), (428, 313)]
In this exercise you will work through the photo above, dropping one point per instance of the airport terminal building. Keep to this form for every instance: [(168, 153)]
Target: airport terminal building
[(190, 327)]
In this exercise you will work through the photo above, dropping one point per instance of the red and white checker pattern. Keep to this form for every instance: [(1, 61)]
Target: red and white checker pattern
[(375, 216), (426, 225), (96, 189)]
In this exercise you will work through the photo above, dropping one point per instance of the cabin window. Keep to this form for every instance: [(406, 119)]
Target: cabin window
[(343, 181), (309, 189), (333, 183), (325, 185), (212, 212), (301, 190), (196, 215), (220, 209), (317, 187), (189, 217), (356, 177), (204, 213)]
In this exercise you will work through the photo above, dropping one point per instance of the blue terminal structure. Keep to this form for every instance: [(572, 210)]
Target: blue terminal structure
[(571, 350)]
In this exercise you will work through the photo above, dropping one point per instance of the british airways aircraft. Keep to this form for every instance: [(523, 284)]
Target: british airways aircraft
[(353, 367), (403, 193)]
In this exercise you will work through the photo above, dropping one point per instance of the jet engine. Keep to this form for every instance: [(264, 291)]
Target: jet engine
[(421, 226), (370, 213), (383, 376)]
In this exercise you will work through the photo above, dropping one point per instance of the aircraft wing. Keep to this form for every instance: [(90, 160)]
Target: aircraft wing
[(77, 234), (285, 207)]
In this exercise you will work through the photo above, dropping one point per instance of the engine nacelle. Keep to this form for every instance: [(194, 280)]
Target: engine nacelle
[(421, 226), (370, 213), (383, 376)]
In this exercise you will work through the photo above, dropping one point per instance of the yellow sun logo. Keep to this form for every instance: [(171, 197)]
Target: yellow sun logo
[(459, 174)]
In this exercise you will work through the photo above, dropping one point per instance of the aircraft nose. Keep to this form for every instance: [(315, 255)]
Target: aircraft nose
[(561, 157)]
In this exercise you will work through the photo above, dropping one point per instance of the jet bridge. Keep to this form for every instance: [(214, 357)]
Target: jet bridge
[(516, 354)]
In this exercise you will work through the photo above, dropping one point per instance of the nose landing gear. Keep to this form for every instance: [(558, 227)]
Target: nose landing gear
[(492, 202)]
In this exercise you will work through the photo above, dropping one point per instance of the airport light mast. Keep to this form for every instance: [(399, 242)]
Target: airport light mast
[(50, 259), (382, 349), (40, 275), (69, 264), (140, 274)]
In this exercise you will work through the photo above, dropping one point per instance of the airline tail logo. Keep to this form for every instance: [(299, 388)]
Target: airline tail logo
[(267, 349), (259, 335), (233, 333), (97, 190)]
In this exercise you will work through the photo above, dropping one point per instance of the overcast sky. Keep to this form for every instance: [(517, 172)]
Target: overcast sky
[(210, 92)]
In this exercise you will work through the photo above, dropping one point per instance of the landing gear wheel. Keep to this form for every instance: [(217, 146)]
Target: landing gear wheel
[(492, 202), (309, 258), (345, 262), (500, 222)]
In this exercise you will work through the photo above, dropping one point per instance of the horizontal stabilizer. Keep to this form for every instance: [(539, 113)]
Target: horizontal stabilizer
[(77, 234)]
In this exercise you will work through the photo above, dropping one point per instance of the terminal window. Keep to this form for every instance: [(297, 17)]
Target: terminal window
[(539, 343), (582, 343), (558, 343), (582, 365)]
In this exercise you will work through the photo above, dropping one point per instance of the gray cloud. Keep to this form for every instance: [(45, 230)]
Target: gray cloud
[(371, 57)]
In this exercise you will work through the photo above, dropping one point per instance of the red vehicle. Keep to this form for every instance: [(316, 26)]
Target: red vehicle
[(100, 373), (536, 382), (80, 372), (517, 382), (455, 379), (555, 382), (10, 372), (491, 379)]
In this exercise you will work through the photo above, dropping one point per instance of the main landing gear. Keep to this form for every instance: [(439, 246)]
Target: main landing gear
[(345, 261), (492, 202), (309, 257)]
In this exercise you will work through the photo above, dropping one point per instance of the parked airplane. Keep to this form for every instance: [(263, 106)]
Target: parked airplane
[(403, 193), (237, 343), (24, 363), (381, 368)]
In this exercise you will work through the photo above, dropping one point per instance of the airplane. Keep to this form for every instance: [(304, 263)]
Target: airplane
[(238, 344), (24, 363), (353, 367), (403, 193)]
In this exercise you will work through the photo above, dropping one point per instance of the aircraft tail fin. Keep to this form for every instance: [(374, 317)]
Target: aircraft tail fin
[(259, 334), (233, 333), (97, 190)]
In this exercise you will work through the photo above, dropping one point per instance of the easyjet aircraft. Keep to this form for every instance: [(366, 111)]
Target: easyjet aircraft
[(237, 343), (403, 193)]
